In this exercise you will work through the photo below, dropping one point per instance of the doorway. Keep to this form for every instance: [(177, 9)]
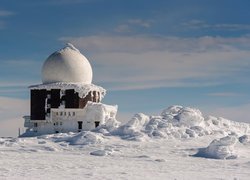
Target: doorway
[(97, 123), (79, 126)]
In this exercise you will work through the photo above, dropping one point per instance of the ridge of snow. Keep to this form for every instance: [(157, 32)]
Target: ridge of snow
[(178, 122)]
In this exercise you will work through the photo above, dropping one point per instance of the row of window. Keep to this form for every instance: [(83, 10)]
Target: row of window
[(65, 113), (55, 124), (58, 123)]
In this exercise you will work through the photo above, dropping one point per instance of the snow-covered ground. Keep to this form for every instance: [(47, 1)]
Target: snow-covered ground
[(178, 144)]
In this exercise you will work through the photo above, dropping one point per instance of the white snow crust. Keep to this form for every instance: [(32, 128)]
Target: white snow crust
[(82, 88), (67, 65), (167, 146)]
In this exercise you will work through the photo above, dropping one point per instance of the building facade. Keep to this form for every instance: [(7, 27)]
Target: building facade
[(66, 100)]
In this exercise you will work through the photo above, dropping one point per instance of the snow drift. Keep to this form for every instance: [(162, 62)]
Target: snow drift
[(222, 148), (82, 138), (175, 122), (178, 122)]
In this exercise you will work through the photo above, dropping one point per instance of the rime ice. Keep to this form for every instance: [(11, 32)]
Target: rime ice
[(66, 101)]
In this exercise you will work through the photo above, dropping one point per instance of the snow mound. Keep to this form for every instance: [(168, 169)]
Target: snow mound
[(178, 122), (220, 149), (8, 142), (85, 138), (245, 139), (110, 125), (183, 115), (132, 130), (81, 138), (104, 152), (31, 144)]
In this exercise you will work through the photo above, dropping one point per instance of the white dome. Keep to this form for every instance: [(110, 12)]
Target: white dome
[(67, 65)]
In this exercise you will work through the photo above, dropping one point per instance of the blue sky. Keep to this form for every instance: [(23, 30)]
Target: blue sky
[(147, 54)]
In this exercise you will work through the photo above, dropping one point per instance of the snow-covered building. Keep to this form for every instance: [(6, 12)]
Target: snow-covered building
[(67, 100)]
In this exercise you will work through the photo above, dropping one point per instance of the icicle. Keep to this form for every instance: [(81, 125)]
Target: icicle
[(71, 46)]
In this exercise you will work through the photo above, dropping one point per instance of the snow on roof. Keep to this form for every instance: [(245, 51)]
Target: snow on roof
[(81, 88), (97, 106), (67, 65)]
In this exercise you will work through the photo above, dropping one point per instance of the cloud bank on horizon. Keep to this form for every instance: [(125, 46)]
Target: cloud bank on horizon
[(153, 62)]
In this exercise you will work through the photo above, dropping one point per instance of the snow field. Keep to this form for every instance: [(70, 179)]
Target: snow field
[(180, 143)]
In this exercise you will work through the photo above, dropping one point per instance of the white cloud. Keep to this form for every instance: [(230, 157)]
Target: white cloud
[(138, 44), (198, 24), (21, 84), (11, 113), (224, 94), (10, 127), (237, 113), (19, 70), (2, 24), (11, 107), (131, 25), (123, 28), (128, 62), (5, 13), (140, 22)]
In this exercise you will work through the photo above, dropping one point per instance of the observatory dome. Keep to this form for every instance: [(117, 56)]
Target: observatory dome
[(67, 65)]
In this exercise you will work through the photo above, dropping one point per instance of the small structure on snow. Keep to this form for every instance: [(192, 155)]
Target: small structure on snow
[(66, 100)]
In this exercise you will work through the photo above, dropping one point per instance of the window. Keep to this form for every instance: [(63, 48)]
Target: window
[(65, 113), (69, 114), (61, 113), (57, 113), (35, 124), (61, 123), (97, 123), (74, 113)]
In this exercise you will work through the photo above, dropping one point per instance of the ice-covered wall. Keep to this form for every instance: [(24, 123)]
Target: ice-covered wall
[(81, 88), (66, 120)]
